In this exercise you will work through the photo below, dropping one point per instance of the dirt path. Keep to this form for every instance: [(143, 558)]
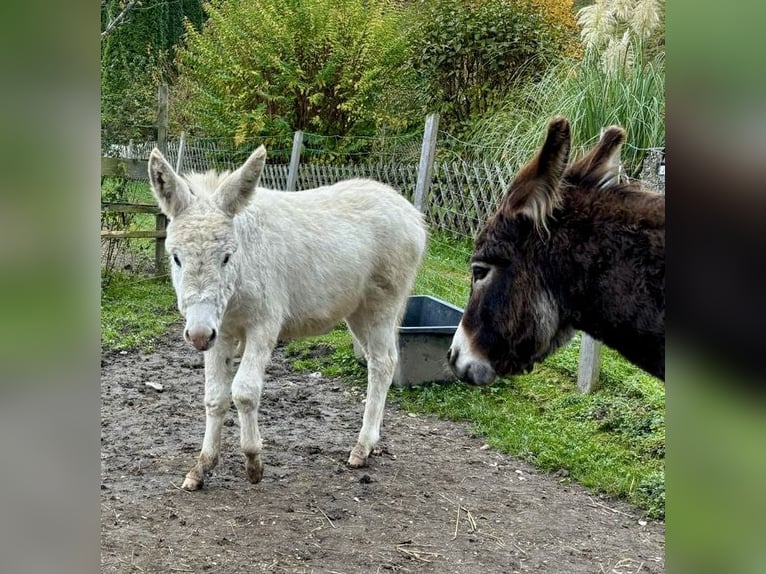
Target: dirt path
[(311, 513)]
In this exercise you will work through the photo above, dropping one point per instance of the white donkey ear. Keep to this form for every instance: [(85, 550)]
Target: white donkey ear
[(171, 192), (235, 192)]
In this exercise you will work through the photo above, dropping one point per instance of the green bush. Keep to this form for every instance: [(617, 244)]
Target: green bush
[(134, 57), (620, 80), (468, 55), (274, 66)]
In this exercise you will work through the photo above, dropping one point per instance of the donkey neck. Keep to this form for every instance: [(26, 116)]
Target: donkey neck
[(606, 260)]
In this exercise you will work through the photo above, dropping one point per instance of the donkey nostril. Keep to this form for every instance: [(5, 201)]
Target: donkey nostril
[(212, 336), (186, 335)]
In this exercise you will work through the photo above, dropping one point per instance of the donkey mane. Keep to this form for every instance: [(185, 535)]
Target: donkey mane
[(629, 202), (205, 183)]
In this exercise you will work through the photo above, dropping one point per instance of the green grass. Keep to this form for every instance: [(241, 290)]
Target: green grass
[(591, 99), (135, 310), (611, 441)]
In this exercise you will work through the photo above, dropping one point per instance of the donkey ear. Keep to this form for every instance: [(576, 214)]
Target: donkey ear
[(600, 167), (235, 192), (535, 190), (171, 192)]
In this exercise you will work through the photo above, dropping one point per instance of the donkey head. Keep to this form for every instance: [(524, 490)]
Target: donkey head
[(512, 318), (201, 239)]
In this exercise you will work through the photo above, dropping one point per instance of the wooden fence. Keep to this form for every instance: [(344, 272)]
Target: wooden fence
[(455, 197), (158, 234)]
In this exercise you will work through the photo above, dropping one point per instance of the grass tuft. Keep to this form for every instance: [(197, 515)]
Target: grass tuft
[(612, 440), (591, 99), (135, 311)]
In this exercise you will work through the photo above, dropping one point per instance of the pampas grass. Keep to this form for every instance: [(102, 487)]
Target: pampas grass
[(615, 83)]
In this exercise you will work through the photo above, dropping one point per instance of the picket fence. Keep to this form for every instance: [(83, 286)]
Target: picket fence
[(456, 197)]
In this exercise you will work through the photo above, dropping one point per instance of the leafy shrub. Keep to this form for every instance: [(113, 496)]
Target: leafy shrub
[(616, 77), (469, 54), (273, 66), (651, 494), (134, 58)]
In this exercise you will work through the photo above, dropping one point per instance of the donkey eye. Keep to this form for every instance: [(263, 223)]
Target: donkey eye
[(479, 272), (226, 258), (176, 260)]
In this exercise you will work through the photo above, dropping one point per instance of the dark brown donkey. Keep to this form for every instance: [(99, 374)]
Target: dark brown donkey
[(567, 249)]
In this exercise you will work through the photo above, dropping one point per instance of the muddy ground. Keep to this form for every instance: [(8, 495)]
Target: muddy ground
[(433, 499)]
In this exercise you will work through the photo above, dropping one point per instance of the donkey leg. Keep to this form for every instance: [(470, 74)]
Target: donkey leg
[(246, 392), (382, 355), (219, 372)]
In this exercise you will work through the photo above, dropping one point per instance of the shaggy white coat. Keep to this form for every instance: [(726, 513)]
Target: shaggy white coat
[(251, 266)]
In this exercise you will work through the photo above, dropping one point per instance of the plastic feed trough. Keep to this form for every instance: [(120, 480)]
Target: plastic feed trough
[(424, 338)]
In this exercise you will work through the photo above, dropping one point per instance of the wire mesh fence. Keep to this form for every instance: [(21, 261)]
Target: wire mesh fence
[(462, 193)]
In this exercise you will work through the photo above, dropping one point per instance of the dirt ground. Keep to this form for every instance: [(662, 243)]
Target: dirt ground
[(433, 499)]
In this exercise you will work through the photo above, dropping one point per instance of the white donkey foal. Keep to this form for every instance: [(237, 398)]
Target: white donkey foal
[(251, 266)]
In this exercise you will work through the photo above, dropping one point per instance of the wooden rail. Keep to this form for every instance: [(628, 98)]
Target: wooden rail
[(139, 234), (158, 234), (119, 207), (137, 169)]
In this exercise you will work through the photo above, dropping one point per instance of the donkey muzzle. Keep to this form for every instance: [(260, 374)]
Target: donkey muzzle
[(200, 331), (470, 371), (467, 366)]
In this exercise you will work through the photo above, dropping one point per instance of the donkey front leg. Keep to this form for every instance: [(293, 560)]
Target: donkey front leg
[(381, 361), (246, 392), (219, 371)]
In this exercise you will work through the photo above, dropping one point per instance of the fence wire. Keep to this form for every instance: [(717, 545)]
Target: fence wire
[(462, 194)]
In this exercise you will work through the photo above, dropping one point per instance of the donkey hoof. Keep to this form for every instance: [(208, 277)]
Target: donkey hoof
[(357, 458), (254, 470), (192, 483)]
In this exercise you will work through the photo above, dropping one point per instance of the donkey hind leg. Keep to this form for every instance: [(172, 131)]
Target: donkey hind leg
[(246, 392), (360, 353), (219, 372), (378, 335)]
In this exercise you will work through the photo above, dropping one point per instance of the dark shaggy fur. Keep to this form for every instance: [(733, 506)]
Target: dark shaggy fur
[(571, 249)]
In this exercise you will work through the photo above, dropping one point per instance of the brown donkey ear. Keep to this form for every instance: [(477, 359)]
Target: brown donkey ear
[(535, 190), (600, 167)]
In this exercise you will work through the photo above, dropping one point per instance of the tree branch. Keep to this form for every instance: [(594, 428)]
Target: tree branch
[(114, 23)]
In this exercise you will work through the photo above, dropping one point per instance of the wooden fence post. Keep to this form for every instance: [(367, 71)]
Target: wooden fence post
[(590, 364), (162, 119), (161, 223), (295, 160), (426, 164), (181, 150)]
